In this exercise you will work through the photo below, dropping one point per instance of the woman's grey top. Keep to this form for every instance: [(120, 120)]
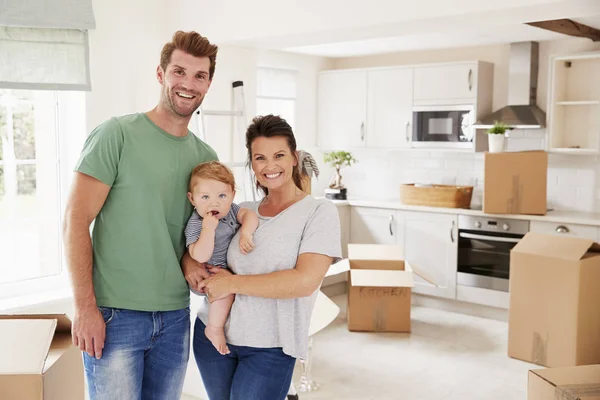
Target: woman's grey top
[(308, 226)]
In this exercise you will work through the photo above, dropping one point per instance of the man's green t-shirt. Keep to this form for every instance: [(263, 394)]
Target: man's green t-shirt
[(138, 236)]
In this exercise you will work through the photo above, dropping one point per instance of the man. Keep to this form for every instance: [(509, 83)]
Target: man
[(131, 298)]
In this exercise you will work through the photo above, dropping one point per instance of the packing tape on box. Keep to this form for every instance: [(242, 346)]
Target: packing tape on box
[(538, 349), (576, 392)]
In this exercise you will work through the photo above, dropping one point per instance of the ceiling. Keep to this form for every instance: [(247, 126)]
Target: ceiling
[(438, 40), (346, 28)]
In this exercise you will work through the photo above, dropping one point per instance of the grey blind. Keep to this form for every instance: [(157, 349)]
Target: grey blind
[(44, 44), (66, 14)]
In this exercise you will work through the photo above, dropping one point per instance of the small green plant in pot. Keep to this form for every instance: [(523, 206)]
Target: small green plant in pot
[(337, 160), (497, 137)]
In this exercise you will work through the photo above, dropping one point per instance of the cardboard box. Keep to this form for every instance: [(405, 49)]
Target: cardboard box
[(554, 317), (570, 383), (38, 360), (515, 182), (379, 289)]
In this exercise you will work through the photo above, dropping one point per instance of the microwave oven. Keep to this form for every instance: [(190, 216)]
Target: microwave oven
[(443, 126)]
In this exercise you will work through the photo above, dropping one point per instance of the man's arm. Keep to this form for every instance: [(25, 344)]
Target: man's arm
[(83, 205)]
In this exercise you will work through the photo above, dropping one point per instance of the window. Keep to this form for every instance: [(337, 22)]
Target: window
[(34, 178), (276, 93)]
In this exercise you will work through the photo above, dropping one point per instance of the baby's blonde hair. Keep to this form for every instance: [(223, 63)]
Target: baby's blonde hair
[(212, 170)]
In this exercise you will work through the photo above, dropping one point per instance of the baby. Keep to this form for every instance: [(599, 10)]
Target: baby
[(210, 229)]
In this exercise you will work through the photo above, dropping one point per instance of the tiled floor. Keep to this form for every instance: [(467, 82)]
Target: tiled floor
[(448, 356)]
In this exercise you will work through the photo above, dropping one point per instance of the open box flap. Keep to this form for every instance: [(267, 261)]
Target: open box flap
[(565, 248), (24, 345), (379, 252), (381, 278)]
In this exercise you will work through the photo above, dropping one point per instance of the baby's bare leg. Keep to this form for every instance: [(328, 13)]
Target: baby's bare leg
[(217, 316)]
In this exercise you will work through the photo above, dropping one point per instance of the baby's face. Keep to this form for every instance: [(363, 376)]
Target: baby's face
[(212, 196)]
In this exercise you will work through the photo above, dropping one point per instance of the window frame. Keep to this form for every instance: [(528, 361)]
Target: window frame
[(293, 98), (70, 134)]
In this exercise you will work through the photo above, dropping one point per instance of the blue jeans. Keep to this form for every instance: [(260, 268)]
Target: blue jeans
[(246, 373), (145, 356)]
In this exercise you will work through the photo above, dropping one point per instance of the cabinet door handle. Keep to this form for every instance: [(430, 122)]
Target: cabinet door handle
[(470, 79), (362, 131), (452, 232), (391, 221), (407, 134), (562, 229)]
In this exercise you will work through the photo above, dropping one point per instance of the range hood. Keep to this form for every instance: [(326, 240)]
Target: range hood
[(522, 111)]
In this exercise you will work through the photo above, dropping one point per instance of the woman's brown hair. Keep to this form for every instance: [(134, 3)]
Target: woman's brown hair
[(192, 43), (273, 126)]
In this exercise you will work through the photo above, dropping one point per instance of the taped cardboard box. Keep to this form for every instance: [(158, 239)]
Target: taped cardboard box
[(515, 182), (379, 288), (569, 383), (38, 360), (554, 299)]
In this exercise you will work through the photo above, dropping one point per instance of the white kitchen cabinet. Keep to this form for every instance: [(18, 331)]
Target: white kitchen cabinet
[(373, 225), (445, 82), (344, 213), (389, 107), (431, 247), (569, 230), (456, 83), (574, 104), (342, 109)]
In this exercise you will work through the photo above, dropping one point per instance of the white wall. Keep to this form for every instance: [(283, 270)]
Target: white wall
[(124, 53), (572, 180)]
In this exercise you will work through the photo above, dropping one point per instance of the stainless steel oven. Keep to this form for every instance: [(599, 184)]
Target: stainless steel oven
[(484, 246), (443, 126)]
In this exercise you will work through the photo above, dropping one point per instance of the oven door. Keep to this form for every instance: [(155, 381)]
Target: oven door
[(443, 126), (484, 259)]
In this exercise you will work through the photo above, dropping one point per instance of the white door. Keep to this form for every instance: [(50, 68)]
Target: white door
[(431, 246), (390, 107), (445, 83), (372, 225), (342, 110)]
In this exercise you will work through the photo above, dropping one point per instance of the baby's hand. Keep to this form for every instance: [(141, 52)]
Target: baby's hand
[(246, 244), (210, 221)]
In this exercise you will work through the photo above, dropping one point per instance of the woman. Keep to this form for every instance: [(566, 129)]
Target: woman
[(276, 284)]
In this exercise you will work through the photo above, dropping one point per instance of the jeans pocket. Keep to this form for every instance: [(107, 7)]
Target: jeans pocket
[(108, 313)]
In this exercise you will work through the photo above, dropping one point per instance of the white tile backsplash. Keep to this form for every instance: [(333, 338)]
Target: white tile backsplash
[(573, 180)]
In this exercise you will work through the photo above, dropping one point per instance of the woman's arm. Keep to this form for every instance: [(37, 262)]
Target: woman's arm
[(301, 281)]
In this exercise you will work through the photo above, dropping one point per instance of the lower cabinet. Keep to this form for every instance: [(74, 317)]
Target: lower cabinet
[(431, 248), (429, 241), (570, 230)]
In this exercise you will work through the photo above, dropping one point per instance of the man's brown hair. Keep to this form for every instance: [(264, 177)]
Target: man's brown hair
[(192, 43), (212, 170)]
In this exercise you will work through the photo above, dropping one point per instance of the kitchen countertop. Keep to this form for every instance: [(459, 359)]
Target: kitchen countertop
[(563, 216)]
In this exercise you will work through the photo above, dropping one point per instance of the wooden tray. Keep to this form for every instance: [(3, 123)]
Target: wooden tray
[(436, 195)]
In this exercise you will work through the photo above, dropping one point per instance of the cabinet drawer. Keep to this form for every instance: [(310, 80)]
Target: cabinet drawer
[(571, 230)]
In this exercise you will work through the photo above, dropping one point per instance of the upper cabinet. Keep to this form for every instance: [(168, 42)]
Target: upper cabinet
[(374, 107), (358, 108), (389, 105), (443, 84), (342, 109), (574, 104)]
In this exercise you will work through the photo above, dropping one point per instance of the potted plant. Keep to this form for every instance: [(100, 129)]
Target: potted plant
[(497, 137), (337, 160)]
